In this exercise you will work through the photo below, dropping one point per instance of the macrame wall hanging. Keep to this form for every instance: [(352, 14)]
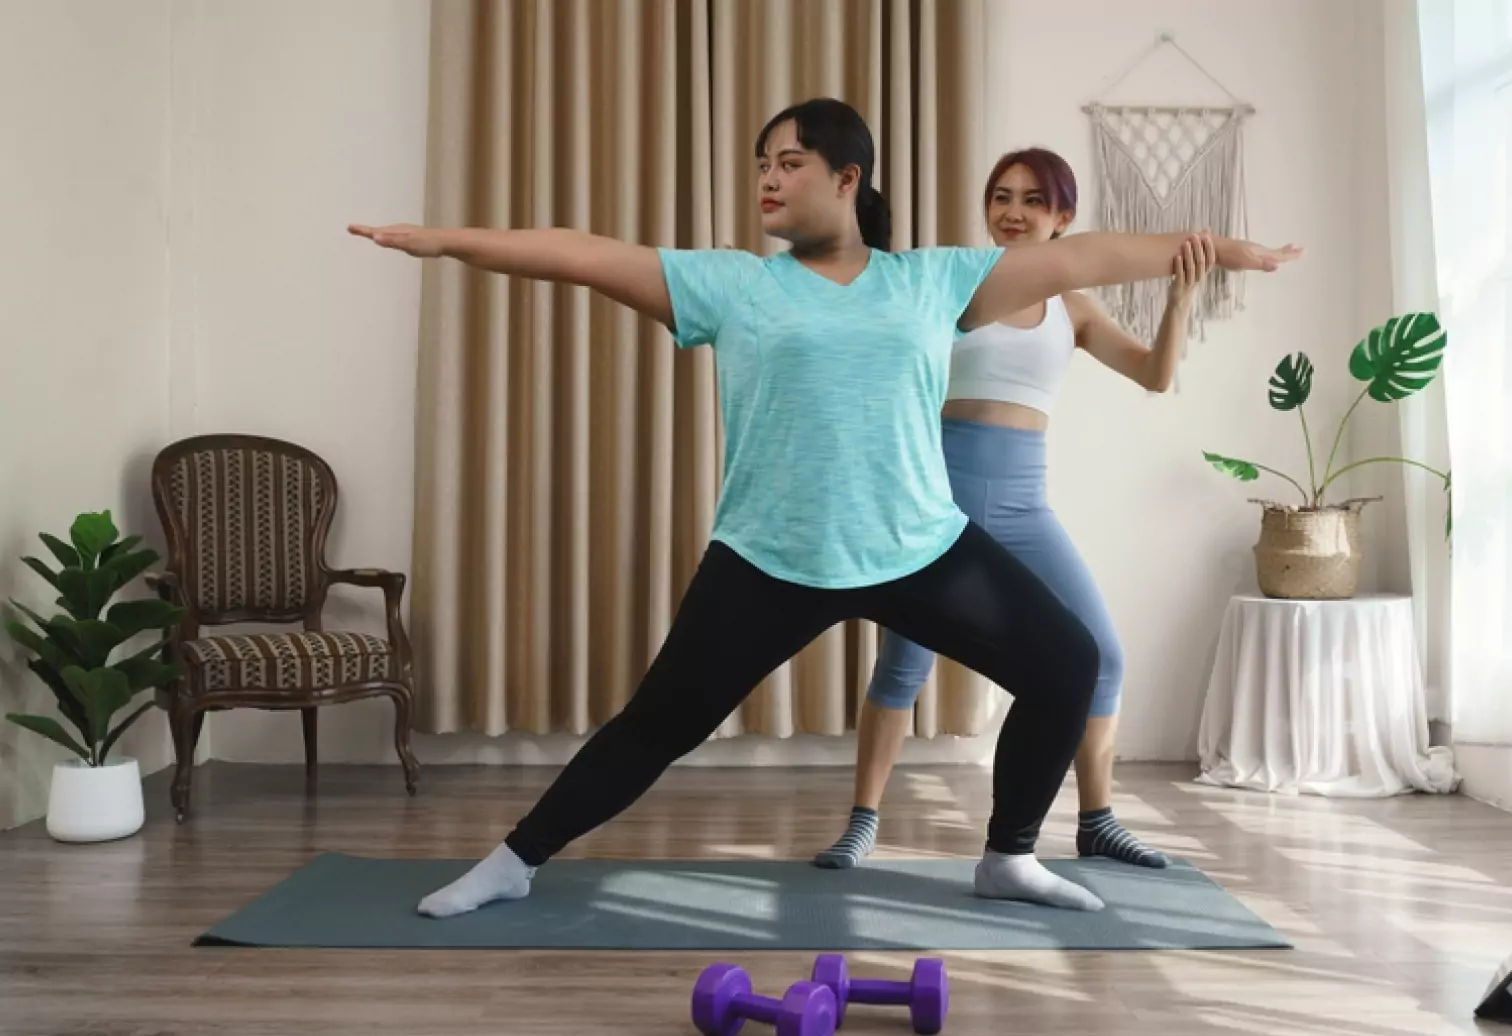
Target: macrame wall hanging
[(1168, 168)]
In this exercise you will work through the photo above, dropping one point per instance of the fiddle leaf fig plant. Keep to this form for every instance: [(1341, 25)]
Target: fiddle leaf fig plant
[(1395, 360), (72, 650)]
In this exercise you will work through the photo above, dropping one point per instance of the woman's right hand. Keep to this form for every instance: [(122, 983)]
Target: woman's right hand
[(422, 242)]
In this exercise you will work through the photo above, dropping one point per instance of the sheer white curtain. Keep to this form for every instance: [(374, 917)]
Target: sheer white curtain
[(1421, 418), (1466, 48)]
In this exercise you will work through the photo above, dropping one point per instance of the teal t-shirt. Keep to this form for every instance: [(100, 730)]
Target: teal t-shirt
[(834, 475)]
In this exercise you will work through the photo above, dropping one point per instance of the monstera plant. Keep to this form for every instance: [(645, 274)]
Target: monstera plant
[(95, 797), (1394, 361)]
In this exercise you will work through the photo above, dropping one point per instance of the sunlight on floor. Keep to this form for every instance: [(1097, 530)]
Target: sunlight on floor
[(953, 818), (1271, 1022), (1243, 966), (1450, 904), (634, 888), (1212, 791), (971, 915), (1177, 844), (1296, 1003), (1391, 867), (1303, 931), (1466, 942), (1032, 984), (1132, 811), (683, 919), (1338, 828), (746, 852), (928, 787), (1046, 973)]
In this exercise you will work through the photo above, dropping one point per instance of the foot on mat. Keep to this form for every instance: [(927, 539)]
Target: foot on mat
[(499, 875), (1100, 834), (856, 844), (1022, 877)]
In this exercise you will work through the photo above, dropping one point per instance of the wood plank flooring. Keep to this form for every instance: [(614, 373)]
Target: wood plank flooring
[(1400, 910)]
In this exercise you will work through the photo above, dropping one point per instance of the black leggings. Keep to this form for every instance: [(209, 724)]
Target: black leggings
[(977, 604)]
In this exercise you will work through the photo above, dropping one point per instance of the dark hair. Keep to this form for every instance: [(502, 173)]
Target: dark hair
[(1052, 172), (838, 134)]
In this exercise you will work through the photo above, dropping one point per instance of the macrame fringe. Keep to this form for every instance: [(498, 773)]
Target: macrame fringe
[(1208, 193)]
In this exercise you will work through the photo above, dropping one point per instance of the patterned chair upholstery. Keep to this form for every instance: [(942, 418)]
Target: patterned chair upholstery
[(246, 519)]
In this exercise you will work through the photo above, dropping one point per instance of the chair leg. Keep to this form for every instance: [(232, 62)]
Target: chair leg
[(183, 722), (404, 710), (311, 741)]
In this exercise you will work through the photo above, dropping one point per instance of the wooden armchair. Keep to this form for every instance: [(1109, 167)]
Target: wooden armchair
[(246, 520)]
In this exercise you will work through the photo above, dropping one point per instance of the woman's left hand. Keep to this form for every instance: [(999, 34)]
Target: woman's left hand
[(1191, 266)]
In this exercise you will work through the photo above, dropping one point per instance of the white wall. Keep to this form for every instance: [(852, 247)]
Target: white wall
[(298, 118), (284, 121), (1486, 771), (1168, 537), (175, 185), (84, 100)]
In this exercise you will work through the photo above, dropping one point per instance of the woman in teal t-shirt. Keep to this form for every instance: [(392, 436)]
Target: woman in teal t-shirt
[(836, 504)]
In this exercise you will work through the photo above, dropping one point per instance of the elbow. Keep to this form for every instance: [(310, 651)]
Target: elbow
[(1160, 381)]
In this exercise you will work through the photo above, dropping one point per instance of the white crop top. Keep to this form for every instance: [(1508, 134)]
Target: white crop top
[(1021, 365)]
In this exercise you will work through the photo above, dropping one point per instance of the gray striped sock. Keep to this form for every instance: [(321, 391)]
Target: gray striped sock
[(859, 840), (1100, 834)]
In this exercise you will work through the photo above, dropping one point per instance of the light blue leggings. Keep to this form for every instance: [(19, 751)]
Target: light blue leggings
[(998, 478)]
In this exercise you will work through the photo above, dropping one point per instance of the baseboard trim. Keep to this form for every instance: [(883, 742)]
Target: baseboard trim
[(1487, 773)]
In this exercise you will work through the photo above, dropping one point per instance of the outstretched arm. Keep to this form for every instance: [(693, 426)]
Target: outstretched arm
[(1025, 276), (1154, 368), (629, 274)]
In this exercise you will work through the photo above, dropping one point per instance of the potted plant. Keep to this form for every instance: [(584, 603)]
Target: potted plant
[(94, 797), (1312, 550)]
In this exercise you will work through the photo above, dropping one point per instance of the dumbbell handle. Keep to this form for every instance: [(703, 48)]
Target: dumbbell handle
[(758, 1008), (880, 991)]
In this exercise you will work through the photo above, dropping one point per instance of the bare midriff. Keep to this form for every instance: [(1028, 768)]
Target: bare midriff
[(996, 412)]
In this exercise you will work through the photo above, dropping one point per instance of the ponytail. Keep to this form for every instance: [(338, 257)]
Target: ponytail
[(874, 217), (838, 132)]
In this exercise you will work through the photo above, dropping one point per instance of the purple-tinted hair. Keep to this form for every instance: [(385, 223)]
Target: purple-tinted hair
[(1052, 172)]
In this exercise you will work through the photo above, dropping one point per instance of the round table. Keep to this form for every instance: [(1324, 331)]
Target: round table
[(1321, 698)]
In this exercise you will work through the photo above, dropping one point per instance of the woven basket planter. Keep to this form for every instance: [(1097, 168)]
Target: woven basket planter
[(1307, 554)]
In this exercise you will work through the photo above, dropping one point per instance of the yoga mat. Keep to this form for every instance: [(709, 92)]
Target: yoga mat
[(342, 901)]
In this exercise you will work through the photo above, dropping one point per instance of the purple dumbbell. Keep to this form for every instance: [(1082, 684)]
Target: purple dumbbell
[(927, 995), (722, 1003)]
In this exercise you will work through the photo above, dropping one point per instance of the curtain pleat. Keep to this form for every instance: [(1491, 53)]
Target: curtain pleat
[(568, 456)]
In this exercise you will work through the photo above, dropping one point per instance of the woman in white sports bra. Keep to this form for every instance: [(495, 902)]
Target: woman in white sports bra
[(1003, 382)]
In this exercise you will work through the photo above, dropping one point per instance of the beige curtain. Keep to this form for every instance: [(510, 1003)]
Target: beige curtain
[(568, 456)]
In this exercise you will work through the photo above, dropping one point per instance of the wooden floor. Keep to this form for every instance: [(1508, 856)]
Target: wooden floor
[(1400, 910)]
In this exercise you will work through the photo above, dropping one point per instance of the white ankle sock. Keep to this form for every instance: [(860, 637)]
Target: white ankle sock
[(1000, 876), (499, 875)]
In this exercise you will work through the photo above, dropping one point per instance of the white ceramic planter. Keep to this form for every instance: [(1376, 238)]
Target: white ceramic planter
[(95, 803)]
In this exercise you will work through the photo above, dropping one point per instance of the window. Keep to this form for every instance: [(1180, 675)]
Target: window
[(1466, 50)]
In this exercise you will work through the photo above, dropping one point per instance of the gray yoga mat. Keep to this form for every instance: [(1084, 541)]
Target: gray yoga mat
[(341, 901)]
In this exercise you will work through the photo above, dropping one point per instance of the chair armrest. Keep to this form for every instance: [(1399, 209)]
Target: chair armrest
[(165, 583), (170, 589), (392, 585), (378, 577)]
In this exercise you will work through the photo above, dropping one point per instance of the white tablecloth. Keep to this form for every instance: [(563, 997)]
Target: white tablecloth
[(1321, 698)]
